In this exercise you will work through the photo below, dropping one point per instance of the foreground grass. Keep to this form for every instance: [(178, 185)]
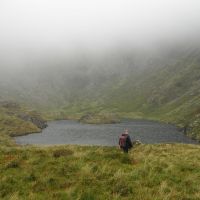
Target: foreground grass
[(148, 172), (165, 171)]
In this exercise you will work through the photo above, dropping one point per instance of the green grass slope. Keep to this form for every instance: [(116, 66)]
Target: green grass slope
[(16, 120), (170, 93), (165, 171), (162, 171), (162, 86)]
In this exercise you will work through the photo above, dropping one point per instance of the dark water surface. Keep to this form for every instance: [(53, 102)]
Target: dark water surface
[(72, 132)]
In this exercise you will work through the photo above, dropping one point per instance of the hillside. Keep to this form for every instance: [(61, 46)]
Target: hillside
[(161, 85), (168, 92)]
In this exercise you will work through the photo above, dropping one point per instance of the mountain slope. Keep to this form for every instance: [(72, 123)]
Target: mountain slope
[(171, 93), (161, 85)]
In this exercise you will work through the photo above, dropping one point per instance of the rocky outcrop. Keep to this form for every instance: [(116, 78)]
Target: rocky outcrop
[(36, 120), (18, 115)]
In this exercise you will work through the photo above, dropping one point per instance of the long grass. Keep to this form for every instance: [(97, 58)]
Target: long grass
[(148, 172)]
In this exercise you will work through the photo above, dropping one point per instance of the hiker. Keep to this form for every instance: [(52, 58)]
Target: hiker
[(125, 141)]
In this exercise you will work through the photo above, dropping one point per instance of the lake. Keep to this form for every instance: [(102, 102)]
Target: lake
[(73, 132)]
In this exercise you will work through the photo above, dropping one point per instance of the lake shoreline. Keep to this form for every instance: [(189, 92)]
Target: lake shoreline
[(160, 137)]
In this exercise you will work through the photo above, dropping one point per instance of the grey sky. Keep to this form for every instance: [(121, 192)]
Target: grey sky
[(62, 26)]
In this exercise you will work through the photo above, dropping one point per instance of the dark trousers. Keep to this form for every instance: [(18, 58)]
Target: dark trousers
[(125, 149)]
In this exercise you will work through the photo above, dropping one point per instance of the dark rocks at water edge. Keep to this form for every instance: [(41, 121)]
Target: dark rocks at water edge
[(15, 109), (35, 119)]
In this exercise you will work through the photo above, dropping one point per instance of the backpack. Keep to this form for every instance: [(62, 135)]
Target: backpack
[(122, 140)]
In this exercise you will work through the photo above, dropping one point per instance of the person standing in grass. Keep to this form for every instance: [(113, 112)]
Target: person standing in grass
[(125, 141)]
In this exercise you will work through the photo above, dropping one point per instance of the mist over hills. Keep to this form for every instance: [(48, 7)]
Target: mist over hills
[(159, 84), (135, 59), (99, 62)]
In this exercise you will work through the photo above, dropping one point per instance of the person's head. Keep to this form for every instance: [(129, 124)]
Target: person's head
[(126, 131)]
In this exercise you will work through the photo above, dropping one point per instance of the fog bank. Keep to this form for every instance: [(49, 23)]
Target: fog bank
[(35, 30)]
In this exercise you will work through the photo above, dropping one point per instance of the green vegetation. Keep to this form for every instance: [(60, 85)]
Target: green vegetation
[(166, 171), (163, 87), (162, 171), (166, 91), (15, 120), (100, 118)]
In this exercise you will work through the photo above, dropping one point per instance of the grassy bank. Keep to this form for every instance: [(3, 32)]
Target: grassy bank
[(16, 120), (158, 172), (166, 171)]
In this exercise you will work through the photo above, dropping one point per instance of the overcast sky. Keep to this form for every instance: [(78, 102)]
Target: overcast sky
[(67, 25)]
